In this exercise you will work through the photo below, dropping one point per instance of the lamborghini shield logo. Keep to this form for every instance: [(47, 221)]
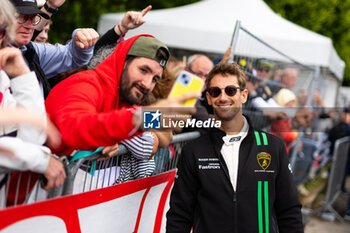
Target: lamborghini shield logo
[(264, 160)]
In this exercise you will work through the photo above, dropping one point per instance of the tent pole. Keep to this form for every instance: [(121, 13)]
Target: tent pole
[(234, 40)]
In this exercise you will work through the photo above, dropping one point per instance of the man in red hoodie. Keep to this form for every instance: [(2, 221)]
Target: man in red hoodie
[(97, 107)]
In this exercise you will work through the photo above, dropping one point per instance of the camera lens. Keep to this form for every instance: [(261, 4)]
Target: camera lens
[(186, 82)]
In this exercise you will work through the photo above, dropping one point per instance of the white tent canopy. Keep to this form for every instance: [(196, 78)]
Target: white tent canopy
[(208, 26)]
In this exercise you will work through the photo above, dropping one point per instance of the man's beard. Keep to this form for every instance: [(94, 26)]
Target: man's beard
[(125, 90), (225, 115)]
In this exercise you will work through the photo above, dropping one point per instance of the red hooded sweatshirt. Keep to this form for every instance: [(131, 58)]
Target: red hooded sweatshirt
[(86, 108)]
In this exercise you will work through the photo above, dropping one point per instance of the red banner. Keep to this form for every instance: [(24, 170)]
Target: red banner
[(136, 206)]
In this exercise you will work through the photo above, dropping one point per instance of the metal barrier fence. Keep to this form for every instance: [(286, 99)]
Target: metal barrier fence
[(83, 175), (340, 156), (25, 187), (18, 188), (87, 174)]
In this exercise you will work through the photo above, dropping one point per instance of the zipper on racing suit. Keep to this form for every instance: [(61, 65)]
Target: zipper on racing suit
[(235, 221)]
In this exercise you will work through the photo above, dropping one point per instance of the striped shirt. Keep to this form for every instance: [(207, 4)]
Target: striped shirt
[(135, 165)]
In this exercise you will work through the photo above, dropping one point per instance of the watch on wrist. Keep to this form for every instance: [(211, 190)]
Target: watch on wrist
[(49, 9)]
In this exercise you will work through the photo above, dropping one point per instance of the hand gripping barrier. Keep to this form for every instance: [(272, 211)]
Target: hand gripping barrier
[(23, 187)]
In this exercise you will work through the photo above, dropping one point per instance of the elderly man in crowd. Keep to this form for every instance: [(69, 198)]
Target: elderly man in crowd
[(200, 65), (287, 80), (48, 60)]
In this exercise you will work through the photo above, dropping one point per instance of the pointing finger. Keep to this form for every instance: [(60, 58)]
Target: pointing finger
[(147, 9)]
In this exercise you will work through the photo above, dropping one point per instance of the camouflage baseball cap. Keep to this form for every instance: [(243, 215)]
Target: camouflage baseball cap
[(149, 47)]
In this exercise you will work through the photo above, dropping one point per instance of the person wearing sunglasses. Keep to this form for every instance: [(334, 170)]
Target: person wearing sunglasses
[(263, 68), (48, 60), (234, 179)]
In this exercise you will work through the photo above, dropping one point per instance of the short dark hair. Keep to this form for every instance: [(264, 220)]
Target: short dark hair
[(128, 60), (227, 69), (163, 54)]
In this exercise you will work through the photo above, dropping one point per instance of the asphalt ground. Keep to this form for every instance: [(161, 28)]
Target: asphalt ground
[(317, 224)]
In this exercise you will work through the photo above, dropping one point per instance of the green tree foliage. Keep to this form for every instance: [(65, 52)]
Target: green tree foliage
[(86, 13), (327, 17)]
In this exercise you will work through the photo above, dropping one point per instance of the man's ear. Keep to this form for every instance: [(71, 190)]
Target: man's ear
[(209, 99), (244, 96)]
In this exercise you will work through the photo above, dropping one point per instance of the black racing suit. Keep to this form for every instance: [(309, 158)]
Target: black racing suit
[(203, 197)]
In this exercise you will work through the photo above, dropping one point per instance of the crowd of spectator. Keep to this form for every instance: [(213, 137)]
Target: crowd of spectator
[(90, 92)]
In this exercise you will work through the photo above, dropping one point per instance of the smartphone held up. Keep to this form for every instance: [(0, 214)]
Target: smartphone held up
[(186, 83)]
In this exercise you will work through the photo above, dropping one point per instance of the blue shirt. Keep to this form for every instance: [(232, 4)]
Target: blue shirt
[(55, 59)]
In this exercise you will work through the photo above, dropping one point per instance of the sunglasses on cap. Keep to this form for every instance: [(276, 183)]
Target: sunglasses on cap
[(229, 90), (2, 32)]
